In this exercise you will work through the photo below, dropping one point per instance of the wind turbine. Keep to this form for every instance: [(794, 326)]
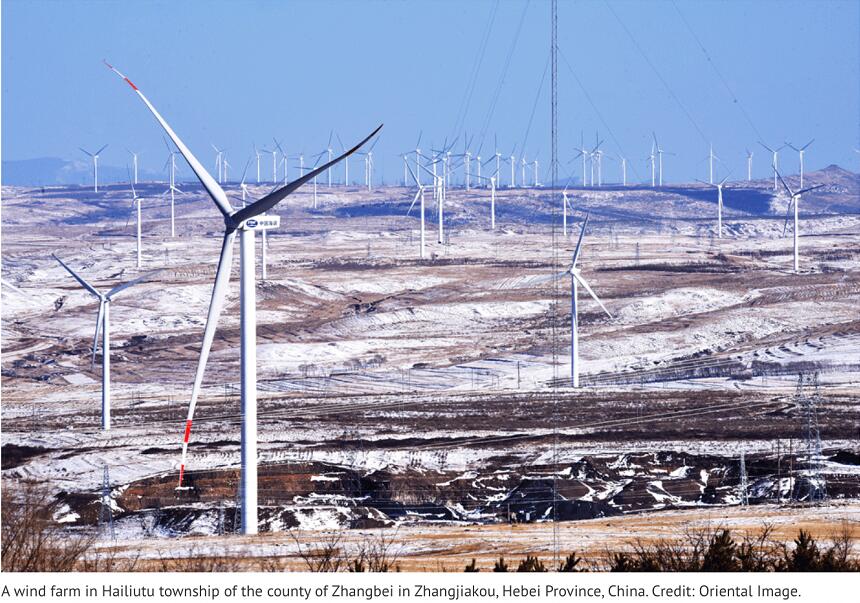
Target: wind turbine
[(710, 159), (493, 180), (800, 152), (576, 278), (584, 154), (171, 160), (329, 151), (719, 188), (795, 201), (258, 155), (274, 152), (246, 223), (623, 170), (286, 161), (652, 157), (418, 195), (565, 205), (774, 161), (659, 158), (368, 166), (103, 323), (134, 164), (135, 206), (749, 165), (345, 161), (95, 157), (219, 154)]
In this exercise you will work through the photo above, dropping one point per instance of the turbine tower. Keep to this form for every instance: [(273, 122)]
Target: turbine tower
[(244, 221), (749, 165), (95, 157), (103, 323)]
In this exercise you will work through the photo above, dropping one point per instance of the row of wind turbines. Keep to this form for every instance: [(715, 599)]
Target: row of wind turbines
[(471, 163)]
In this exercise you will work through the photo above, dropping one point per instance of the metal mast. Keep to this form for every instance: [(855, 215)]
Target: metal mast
[(555, 264)]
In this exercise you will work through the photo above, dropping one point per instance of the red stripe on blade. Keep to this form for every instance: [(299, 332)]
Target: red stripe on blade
[(187, 429)]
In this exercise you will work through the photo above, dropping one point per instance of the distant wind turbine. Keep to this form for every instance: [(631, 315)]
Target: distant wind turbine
[(800, 152), (795, 201), (103, 323), (95, 157)]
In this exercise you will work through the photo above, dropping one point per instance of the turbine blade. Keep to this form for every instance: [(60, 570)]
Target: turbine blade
[(96, 336), (212, 187), (78, 278), (100, 150), (790, 194), (272, 199), (219, 292), (583, 282), (418, 194), (806, 190), (411, 173), (113, 292), (787, 216), (579, 241), (803, 148)]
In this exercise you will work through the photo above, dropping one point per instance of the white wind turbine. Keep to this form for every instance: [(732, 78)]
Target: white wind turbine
[(795, 201), (103, 323), (660, 152), (173, 189), (710, 159), (345, 162), (135, 207), (719, 188), (652, 157), (219, 154), (576, 279), (582, 153), (800, 152), (134, 164), (493, 180), (245, 222), (274, 152), (565, 205), (749, 165), (774, 163), (257, 154), (418, 195), (95, 157), (623, 170)]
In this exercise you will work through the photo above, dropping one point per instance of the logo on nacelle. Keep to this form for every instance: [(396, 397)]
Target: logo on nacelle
[(262, 222)]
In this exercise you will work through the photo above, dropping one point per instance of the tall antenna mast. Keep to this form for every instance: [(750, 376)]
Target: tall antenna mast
[(555, 269)]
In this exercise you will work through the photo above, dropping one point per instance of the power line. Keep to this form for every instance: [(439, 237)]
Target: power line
[(534, 107), (501, 81), (597, 111), (713, 65), (657, 73), (466, 101)]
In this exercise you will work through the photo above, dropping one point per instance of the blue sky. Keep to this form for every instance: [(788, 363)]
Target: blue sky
[(233, 73)]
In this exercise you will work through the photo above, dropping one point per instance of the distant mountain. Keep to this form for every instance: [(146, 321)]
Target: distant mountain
[(44, 171)]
